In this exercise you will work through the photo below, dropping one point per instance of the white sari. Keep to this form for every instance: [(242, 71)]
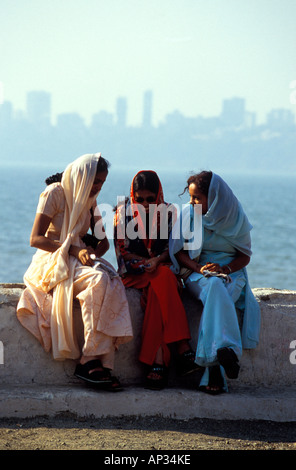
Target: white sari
[(51, 277)]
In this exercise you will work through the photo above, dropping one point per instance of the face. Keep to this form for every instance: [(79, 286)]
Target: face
[(196, 197), (145, 198), (98, 183)]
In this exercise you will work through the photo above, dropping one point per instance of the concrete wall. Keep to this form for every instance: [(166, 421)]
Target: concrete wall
[(23, 361)]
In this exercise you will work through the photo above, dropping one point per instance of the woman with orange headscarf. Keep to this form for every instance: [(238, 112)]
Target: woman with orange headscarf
[(142, 228)]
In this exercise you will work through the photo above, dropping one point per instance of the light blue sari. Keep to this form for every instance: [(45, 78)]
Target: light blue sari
[(225, 229)]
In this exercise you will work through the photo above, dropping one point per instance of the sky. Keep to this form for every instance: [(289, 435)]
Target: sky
[(192, 54)]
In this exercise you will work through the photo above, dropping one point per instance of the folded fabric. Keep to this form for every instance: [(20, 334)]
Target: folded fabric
[(225, 277), (100, 263)]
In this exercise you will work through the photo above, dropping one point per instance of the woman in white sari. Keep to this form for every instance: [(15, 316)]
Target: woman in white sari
[(64, 268), (215, 273)]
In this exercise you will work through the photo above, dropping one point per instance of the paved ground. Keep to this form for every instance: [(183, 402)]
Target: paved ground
[(150, 434)]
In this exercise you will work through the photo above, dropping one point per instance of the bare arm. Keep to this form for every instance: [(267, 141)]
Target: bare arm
[(39, 240), (102, 247), (240, 261), (103, 244), (184, 260), (153, 263)]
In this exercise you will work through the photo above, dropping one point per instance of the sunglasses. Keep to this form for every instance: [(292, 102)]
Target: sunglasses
[(147, 199)]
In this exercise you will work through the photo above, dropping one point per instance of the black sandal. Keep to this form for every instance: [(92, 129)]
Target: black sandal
[(216, 382), (113, 386), (186, 364), (229, 361), (97, 377), (159, 383)]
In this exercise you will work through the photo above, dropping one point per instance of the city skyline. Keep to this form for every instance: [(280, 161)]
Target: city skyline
[(234, 109), (192, 54), (230, 141)]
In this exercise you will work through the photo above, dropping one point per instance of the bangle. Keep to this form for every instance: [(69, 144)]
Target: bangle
[(226, 266)]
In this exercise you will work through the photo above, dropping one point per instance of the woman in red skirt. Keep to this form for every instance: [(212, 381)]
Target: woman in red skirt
[(142, 228)]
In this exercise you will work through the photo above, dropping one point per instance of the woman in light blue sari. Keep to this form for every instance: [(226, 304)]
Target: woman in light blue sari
[(213, 266)]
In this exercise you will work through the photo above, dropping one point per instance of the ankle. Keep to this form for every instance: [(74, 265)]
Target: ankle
[(183, 346)]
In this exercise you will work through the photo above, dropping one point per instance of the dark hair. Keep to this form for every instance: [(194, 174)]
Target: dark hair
[(57, 178), (102, 165), (202, 180), (146, 180)]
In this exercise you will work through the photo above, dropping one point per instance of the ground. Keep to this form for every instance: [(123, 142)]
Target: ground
[(146, 433)]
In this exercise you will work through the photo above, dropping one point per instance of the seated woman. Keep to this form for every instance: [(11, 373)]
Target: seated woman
[(143, 261), (215, 273), (63, 268)]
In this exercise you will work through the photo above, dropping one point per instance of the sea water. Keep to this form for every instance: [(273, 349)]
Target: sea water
[(269, 201)]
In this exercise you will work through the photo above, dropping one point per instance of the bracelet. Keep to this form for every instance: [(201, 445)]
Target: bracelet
[(226, 266)]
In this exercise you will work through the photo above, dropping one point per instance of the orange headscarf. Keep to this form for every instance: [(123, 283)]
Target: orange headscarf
[(152, 213), (159, 196)]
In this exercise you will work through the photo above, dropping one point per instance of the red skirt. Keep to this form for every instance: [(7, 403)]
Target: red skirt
[(165, 319)]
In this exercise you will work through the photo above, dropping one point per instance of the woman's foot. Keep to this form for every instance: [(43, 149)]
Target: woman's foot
[(186, 359), (229, 361), (113, 386), (93, 372), (186, 363), (157, 377), (216, 383)]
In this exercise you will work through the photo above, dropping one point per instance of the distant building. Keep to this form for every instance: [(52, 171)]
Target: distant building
[(102, 119), (6, 116), (39, 108), (121, 111), (280, 118), (147, 109), (250, 119), (70, 122), (233, 112)]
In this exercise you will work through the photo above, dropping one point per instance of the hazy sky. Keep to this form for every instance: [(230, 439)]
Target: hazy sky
[(191, 53)]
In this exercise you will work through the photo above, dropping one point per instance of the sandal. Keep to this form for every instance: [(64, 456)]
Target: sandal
[(216, 382), (157, 383), (113, 386), (82, 371), (186, 364), (229, 361)]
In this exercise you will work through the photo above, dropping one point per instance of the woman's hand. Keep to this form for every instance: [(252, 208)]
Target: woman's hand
[(151, 264), (239, 262), (82, 254), (213, 267)]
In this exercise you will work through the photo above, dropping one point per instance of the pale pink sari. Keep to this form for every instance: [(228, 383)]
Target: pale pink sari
[(54, 279)]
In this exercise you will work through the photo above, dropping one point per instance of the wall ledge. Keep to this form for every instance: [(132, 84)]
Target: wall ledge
[(25, 362)]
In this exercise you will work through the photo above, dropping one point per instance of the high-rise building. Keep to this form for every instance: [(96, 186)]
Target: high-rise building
[(6, 113), (280, 118), (39, 108), (121, 111), (233, 112), (69, 123), (147, 109), (102, 119)]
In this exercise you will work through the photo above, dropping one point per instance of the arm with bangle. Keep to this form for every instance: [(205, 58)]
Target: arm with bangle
[(240, 261)]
